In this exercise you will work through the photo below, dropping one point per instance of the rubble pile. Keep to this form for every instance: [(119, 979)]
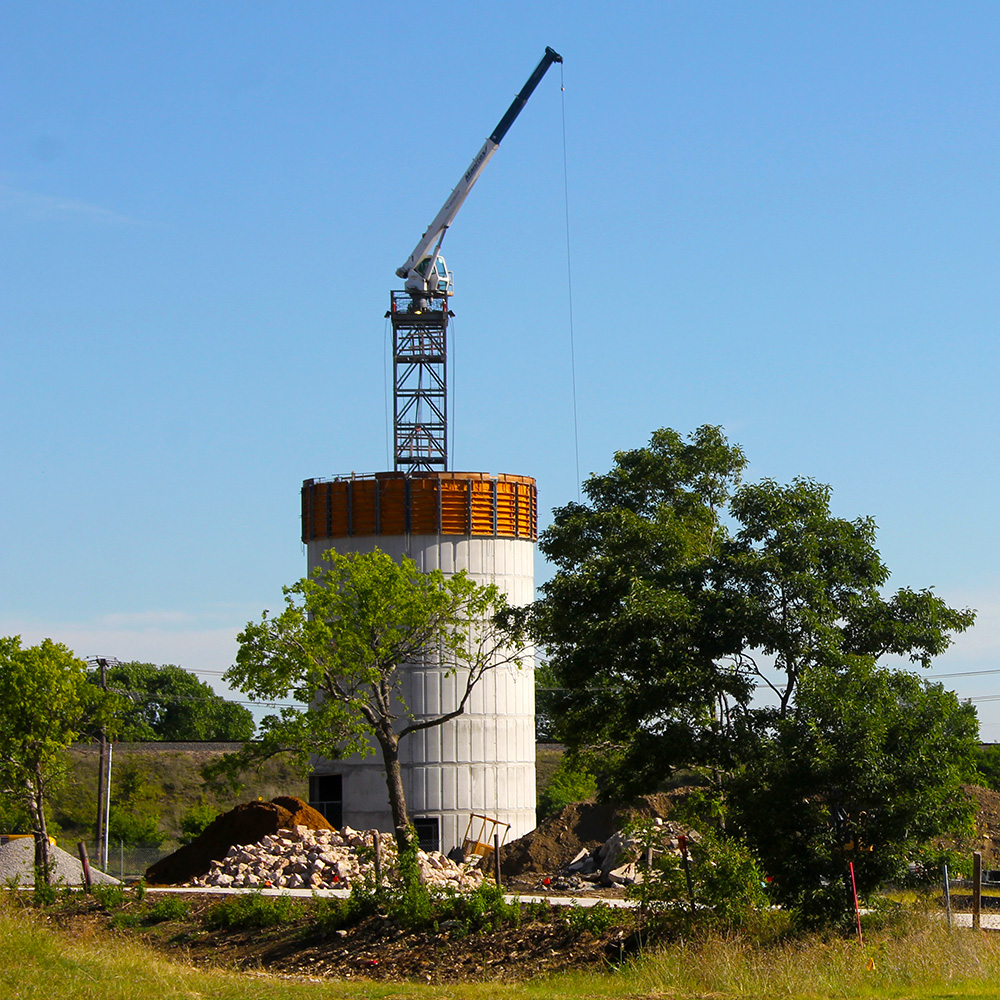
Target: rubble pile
[(620, 859), (577, 826), (302, 858), (246, 824)]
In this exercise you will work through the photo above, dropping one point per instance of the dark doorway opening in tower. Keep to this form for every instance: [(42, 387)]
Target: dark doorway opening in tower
[(326, 795)]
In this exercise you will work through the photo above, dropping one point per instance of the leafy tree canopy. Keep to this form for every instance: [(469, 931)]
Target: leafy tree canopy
[(681, 594), (169, 703), (340, 646), (45, 705), (679, 591)]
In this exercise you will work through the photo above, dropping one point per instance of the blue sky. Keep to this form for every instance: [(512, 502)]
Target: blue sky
[(783, 219)]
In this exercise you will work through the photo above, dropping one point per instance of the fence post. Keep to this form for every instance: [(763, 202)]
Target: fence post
[(377, 845), (496, 859), (977, 889), (85, 865), (947, 894)]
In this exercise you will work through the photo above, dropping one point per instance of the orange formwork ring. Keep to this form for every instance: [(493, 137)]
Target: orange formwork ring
[(421, 503)]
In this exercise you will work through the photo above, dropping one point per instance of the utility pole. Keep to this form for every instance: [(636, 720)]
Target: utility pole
[(103, 775)]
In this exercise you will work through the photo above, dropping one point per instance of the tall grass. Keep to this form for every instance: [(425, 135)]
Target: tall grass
[(919, 960)]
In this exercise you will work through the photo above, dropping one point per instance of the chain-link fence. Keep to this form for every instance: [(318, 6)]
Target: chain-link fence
[(128, 860)]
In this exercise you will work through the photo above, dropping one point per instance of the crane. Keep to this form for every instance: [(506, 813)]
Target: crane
[(420, 314), (425, 272)]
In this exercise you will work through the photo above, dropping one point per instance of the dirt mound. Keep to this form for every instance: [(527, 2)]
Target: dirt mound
[(578, 826), (246, 824), (303, 814)]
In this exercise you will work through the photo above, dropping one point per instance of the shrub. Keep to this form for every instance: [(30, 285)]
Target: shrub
[(726, 884), (195, 820), (253, 912), (111, 897), (571, 782), (167, 908)]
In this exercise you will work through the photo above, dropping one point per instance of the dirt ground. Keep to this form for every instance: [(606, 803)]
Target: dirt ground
[(377, 948)]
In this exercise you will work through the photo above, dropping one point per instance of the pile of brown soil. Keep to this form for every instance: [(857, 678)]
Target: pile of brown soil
[(246, 824), (578, 826), (302, 814)]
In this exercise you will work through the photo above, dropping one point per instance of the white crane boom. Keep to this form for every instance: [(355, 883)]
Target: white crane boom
[(421, 270)]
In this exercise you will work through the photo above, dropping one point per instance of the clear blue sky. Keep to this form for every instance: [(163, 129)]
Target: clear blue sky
[(784, 218)]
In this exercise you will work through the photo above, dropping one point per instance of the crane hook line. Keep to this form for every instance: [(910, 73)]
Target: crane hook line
[(569, 284)]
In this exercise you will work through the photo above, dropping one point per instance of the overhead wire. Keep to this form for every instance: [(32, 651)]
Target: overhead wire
[(569, 280)]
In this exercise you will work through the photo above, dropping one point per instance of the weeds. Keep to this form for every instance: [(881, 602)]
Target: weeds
[(596, 919), (253, 912), (483, 909), (111, 897), (167, 908)]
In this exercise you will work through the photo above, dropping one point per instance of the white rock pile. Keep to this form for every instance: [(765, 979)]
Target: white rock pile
[(301, 858)]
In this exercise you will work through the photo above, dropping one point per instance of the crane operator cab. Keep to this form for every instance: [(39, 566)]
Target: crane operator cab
[(427, 281)]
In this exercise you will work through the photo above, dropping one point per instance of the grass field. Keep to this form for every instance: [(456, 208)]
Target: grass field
[(920, 960)]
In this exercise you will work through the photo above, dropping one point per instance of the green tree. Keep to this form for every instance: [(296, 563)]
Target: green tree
[(679, 592), (135, 812), (804, 587), (45, 705), (865, 768), (340, 649), (170, 704), (636, 634)]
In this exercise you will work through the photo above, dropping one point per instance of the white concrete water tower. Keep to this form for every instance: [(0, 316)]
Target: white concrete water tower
[(483, 761)]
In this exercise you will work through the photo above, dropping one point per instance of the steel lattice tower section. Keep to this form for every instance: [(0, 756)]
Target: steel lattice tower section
[(420, 384)]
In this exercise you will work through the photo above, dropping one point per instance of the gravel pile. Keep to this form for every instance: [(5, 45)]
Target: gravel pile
[(17, 864), (301, 858)]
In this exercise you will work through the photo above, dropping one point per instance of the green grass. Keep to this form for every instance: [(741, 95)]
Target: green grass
[(918, 960)]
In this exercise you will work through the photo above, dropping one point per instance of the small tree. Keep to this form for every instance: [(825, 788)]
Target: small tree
[(340, 648), (45, 704)]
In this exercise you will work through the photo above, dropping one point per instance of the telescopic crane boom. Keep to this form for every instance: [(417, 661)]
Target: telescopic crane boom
[(425, 271)]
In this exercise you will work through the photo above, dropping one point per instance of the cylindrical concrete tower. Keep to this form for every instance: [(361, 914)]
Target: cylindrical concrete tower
[(483, 761)]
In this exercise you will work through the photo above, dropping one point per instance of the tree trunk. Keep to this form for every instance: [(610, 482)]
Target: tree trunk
[(394, 783), (36, 793)]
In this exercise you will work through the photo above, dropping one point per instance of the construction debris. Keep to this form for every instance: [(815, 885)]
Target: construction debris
[(621, 858), (246, 824), (301, 858)]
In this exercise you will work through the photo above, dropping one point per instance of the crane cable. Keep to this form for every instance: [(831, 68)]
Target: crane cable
[(569, 283)]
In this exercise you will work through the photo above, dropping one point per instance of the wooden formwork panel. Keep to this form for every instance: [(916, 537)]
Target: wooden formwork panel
[(454, 495), (447, 503), (424, 497), (364, 503), (393, 507), (481, 495)]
